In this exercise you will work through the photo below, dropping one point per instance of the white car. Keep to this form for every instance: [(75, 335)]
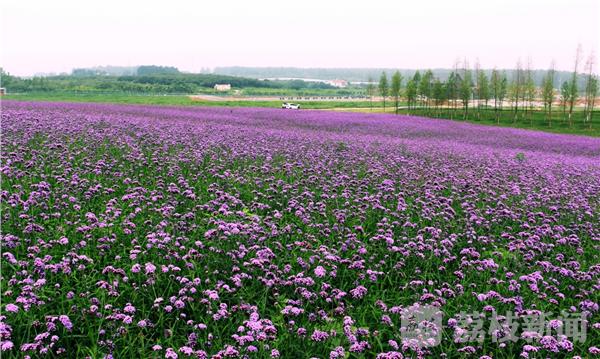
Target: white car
[(290, 106)]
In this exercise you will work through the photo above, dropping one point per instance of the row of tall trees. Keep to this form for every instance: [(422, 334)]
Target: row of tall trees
[(480, 91), (431, 93)]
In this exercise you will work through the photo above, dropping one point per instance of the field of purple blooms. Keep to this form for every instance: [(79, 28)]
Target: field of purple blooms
[(140, 231)]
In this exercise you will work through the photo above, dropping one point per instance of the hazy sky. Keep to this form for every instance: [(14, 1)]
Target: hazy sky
[(58, 35)]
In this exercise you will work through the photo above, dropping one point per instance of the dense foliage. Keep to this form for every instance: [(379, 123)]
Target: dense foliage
[(141, 231)]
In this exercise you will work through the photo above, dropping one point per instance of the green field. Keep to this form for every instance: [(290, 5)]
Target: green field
[(535, 120)]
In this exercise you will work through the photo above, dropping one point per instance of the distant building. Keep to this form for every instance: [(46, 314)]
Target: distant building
[(222, 87), (2, 91), (338, 83)]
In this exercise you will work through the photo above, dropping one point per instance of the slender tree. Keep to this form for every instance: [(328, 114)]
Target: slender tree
[(548, 93), (590, 88), (451, 86), (503, 89), (495, 89), (593, 94), (516, 86), (417, 80), (370, 91), (396, 87), (383, 87), (529, 92), (455, 89), (466, 88), (573, 92), (425, 88), (565, 93), (411, 93), (483, 90), (438, 95), (477, 91)]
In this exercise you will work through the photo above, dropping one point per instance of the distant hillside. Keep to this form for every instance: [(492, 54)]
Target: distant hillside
[(359, 74)]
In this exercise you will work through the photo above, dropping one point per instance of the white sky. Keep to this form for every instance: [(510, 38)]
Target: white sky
[(58, 35)]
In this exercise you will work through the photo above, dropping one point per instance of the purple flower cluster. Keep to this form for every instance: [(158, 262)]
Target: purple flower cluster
[(140, 231)]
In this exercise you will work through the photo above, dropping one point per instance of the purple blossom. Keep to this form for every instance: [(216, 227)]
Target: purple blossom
[(6, 345), (320, 272), (66, 322), (186, 350), (319, 336), (171, 354), (358, 292), (149, 268), (11, 308)]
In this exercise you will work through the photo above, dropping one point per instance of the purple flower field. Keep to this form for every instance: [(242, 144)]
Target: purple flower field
[(139, 231)]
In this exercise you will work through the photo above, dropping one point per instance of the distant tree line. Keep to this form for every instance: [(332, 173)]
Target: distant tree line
[(105, 71), (149, 79), (156, 70), (469, 93), (125, 71)]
